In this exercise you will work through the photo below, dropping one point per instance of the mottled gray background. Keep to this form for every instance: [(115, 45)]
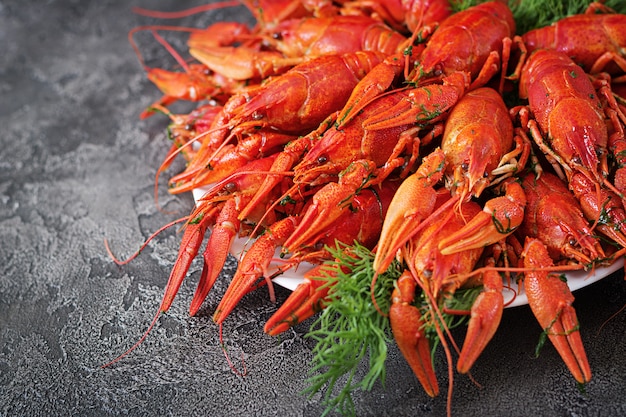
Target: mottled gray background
[(77, 165)]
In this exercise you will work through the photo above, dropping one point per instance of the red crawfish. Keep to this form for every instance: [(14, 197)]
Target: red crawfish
[(320, 156), (196, 82), (575, 123), (473, 40), (217, 209), (222, 216), (435, 275), (566, 109), (421, 16), (360, 219), (294, 41), (384, 130), (292, 104), (419, 216), (228, 158), (478, 144), (476, 41), (569, 112), (595, 41)]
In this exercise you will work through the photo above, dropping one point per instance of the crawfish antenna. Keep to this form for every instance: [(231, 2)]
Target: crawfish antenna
[(160, 39), (136, 345), (230, 363), (143, 245), (175, 150), (184, 13)]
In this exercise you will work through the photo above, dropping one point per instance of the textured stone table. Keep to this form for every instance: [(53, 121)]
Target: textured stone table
[(78, 166)]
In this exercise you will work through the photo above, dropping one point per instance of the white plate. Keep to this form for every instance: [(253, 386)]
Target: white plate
[(290, 279)]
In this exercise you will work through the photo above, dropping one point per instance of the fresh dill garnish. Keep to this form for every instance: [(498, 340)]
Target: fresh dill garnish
[(350, 329)]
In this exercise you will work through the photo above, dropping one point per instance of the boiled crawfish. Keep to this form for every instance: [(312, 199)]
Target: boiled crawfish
[(595, 40), (338, 159), (291, 104)]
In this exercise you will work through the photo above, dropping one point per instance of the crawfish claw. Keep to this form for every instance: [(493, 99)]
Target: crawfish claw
[(254, 266), (306, 300), (550, 300), (485, 317), (216, 252), (413, 202), (500, 217), (407, 327)]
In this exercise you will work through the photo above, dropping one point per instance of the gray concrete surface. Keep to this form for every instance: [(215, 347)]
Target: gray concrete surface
[(77, 166)]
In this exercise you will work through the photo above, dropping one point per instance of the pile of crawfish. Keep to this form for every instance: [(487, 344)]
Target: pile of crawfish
[(447, 142)]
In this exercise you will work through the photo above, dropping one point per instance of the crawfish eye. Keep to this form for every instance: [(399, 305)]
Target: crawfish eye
[(485, 174), (576, 160), (464, 166), (428, 273), (277, 35), (257, 116), (572, 242), (230, 187), (189, 126), (322, 160)]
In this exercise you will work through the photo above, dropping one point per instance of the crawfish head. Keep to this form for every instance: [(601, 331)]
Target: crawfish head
[(554, 216), (338, 148), (478, 134)]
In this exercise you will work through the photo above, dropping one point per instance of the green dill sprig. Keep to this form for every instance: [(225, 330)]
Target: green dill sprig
[(350, 329)]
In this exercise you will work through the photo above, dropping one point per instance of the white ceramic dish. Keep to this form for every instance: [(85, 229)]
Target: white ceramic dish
[(291, 278)]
